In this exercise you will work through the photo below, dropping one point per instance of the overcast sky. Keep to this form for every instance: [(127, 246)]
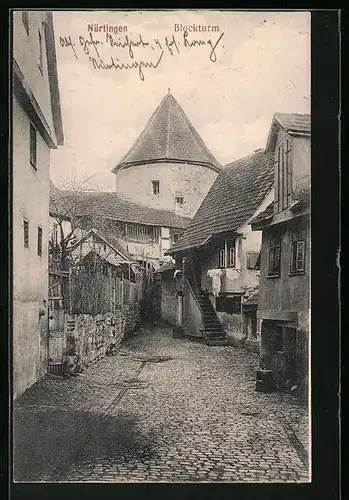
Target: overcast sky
[(262, 67)]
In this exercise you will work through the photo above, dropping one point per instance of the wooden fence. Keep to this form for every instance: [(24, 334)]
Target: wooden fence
[(95, 293)]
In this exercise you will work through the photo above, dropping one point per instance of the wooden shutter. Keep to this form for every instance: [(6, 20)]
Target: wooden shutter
[(300, 255), (276, 182), (289, 172), (285, 174)]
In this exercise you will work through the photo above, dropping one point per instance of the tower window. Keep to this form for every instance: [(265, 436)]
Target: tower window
[(179, 200), (156, 187)]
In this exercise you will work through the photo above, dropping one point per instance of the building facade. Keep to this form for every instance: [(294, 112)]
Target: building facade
[(145, 233), (36, 129), (168, 167), (218, 251), (284, 295)]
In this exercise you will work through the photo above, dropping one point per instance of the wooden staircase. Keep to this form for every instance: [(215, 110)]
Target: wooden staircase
[(213, 333)]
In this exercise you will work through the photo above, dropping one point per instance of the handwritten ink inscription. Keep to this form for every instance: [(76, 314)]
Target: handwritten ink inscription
[(111, 52)]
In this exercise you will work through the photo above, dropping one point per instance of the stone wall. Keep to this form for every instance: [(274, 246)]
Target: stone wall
[(88, 337)]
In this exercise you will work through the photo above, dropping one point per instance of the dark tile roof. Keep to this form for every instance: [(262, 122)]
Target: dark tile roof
[(111, 206), (233, 198), (169, 136), (293, 122)]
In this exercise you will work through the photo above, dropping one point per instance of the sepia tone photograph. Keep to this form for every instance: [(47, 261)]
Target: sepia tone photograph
[(161, 236)]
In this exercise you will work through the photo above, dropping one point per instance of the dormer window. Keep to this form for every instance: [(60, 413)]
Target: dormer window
[(283, 180), (156, 187)]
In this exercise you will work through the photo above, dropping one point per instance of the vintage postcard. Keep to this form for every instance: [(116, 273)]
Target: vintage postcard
[(161, 246)]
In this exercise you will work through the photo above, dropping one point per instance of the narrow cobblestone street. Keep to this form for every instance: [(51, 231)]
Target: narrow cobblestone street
[(161, 409)]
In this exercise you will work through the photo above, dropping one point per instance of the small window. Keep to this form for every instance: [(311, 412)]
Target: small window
[(179, 200), (32, 145), (26, 233), (221, 258), (40, 52), (156, 187), (231, 253), (298, 252), (274, 256), (226, 255), (175, 238), (39, 241), (25, 21)]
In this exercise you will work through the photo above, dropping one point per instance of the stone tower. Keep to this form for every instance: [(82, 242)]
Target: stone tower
[(169, 166)]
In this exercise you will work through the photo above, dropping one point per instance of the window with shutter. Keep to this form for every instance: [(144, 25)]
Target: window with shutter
[(298, 252), (274, 256)]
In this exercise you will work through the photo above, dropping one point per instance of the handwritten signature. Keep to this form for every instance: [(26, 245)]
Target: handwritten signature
[(94, 48), (116, 64)]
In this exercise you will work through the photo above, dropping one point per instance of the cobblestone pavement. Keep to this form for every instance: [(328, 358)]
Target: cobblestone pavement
[(160, 410)]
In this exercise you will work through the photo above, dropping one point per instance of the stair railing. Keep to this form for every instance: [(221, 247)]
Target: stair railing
[(194, 295)]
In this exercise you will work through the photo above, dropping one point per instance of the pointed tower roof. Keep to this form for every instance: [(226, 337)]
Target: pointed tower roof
[(169, 137)]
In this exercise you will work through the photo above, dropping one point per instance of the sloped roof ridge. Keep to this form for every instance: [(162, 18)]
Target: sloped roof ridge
[(144, 131), (102, 203), (169, 109), (242, 189), (195, 133)]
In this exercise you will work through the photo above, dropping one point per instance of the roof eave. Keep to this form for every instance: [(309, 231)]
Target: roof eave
[(53, 79), (121, 166), (27, 99), (257, 226), (270, 146)]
